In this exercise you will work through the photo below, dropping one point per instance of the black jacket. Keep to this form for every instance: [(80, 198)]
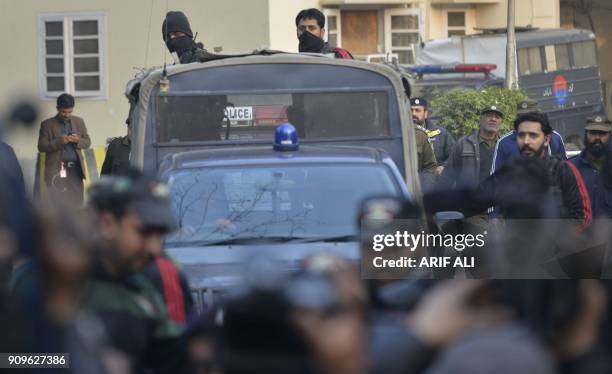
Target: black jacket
[(463, 164), (598, 186), (117, 158), (523, 189), (558, 191), (9, 166), (441, 140)]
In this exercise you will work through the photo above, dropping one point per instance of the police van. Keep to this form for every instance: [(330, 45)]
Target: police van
[(239, 101), (557, 67)]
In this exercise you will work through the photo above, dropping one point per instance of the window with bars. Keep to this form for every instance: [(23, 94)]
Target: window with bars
[(332, 27), (455, 23), (402, 30), (72, 54)]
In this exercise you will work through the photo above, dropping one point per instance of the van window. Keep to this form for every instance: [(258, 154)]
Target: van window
[(584, 54), (530, 60), (562, 56), (253, 117)]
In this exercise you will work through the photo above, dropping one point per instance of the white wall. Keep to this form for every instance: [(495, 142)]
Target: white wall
[(282, 22)]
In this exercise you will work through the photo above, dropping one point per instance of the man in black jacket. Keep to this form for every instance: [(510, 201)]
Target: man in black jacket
[(565, 184), (472, 155), (117, 159), (593, 164)]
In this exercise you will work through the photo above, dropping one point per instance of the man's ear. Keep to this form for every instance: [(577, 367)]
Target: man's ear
[(323, 33), (547, 140)]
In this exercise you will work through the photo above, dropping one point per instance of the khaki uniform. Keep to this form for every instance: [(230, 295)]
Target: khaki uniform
[(426, 159)]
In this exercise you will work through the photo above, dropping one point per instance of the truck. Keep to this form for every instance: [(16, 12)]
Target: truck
[(557, 67), (238, 101)]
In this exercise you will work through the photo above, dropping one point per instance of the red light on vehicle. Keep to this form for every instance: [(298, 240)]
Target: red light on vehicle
[(475, 68)]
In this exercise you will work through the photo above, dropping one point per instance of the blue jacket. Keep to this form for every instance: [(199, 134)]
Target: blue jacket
[(600, 194), (506, 149)]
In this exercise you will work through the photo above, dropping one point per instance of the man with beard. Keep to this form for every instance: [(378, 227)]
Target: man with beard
[(441, 140), (592, 164), (565, 196), (310, 24), (133, 213), (506, 150)]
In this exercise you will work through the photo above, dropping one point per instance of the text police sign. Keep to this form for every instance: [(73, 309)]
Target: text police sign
[(239, 113)]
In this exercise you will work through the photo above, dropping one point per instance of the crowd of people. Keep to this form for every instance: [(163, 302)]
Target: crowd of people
[(95, 283)]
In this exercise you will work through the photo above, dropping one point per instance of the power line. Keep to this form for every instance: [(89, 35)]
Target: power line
[(147, 45)]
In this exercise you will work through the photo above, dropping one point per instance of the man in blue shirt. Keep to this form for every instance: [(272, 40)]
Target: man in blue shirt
[(506, 148)]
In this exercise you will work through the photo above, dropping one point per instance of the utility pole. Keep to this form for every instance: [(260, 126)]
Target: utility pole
[(511, 68)]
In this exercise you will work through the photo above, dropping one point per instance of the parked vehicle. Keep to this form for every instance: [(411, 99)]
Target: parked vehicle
[(281, 203), (557, 67)]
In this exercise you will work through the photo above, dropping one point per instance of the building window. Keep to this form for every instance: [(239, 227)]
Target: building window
[(402, 30), (455, 23), (332, 27), (72, 54)]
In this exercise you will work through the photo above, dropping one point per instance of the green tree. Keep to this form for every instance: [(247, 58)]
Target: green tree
[(459, 110)]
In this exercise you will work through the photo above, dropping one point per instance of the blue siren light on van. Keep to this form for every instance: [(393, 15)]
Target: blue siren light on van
[(285, 138)]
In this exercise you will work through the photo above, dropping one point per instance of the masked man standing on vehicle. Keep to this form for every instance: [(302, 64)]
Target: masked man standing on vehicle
[(441, 140), (310, 25), (179, 39)]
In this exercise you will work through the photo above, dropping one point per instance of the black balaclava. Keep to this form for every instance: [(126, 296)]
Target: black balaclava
[(180, 45), (310, 43), (177, 22)]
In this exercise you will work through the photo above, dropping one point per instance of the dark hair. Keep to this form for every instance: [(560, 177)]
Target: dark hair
[(115, 193), (541, 118), (65, 101), (311, 13)]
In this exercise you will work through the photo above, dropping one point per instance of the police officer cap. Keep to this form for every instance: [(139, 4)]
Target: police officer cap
[(176, 21), (599, 123), (492, 108), (527, 106), (147, 196), (418, 101)]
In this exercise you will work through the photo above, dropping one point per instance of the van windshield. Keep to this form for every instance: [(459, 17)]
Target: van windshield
[(218, 203), (253, 117)]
